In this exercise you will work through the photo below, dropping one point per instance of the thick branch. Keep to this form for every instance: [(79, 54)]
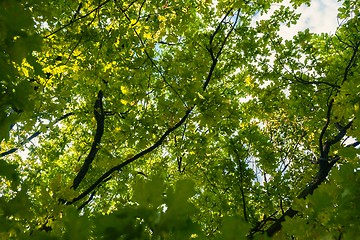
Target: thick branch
[(132, 159), (100, 119), (87, 202), (34, 135), (341, 134), (320, 177), (163, 137), (325, 165)]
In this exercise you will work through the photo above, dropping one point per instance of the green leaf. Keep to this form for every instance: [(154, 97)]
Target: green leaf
[(76, 227), (9, 171), (149, 192), (234, 228), (213, 99), (349, 152), (6, 122)]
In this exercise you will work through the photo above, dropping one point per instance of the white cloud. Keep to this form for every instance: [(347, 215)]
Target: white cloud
[(320, 17)]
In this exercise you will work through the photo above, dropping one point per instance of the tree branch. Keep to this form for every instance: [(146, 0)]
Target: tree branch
[(210, 48), (301, 80), (351, 62), (355, 144), (87, 201), (325, 165), (320, 177), (34, 135), (167, 132), (132, 159), (100, 120), (241, 184), (321, 147), (152, 61), (77, 19)]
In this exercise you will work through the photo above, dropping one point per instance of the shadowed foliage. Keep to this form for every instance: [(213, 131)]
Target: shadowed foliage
[(177, 120)]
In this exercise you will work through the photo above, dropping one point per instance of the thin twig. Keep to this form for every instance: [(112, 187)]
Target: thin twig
[(350, 63), (154, 64), (34, 135), (77, 19), (210, 48)]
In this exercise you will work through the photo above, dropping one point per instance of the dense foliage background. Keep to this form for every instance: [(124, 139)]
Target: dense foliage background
[(177, 119)]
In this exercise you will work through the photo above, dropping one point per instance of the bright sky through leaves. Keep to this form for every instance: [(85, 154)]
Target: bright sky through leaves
[(321, 17), (175, 119)]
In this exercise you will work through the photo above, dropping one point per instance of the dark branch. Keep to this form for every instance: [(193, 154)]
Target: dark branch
[(321, 147), (166, 43), (325, 165), (153, 63), (341, 134), (228, 34), (301, 80), (130, 160), (72, 51), (87, 202), (259, 225), (77, 19), (167, 132), (355, 144), (215, 58), (241, 184), (351, 62), (219, 27), (100, 119), (320, 177), (34, 135), (181, 169), (139, 13)]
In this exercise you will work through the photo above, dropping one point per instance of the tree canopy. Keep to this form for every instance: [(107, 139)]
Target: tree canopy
[(175, 119)]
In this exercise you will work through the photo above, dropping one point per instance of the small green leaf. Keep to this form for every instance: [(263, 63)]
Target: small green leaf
[(349, 152), (234, 228), (200, 96), (9, 171), (149, 192)]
